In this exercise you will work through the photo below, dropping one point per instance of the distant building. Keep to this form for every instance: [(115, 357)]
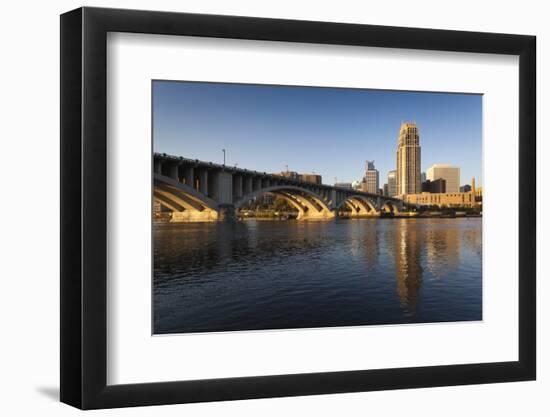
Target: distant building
[(385, 190), (437, 186), (466, 188), (267, 199), (477, 191), (371, 179), (356, 185), (458, 199), (479, 194), (449, 173), (408, 160), (422, 177), (392, 183), (293, 175), (311, 178), (442, 199), (343, 185)]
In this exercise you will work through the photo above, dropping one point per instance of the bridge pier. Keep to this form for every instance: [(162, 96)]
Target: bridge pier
[(248, 185), (323, 215), (221, 188), (194, 216), (257, 184), (227, 213), (174, 172), (157, 166), (189, 176), (203, 181), (237, 186)]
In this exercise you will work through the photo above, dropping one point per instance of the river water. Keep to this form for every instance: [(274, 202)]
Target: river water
[(253, 275)]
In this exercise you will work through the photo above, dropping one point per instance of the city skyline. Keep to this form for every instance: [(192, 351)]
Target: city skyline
[(329, 131)]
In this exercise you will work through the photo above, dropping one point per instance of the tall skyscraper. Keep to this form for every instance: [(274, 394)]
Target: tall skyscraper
[(392, 183), (449, 173), (408, 160), (371, 179)]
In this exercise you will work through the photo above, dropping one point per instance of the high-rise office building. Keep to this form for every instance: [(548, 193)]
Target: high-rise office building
[(371, 178), (408, 160), (392, 183), (449, 173)]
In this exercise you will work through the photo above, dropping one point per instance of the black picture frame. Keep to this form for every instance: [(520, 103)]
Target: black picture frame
[(84, 207)]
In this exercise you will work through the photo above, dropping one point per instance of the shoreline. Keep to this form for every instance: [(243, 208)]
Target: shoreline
[(157, 222)]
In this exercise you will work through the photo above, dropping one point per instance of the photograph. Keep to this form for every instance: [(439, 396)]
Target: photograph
[(295, 207)]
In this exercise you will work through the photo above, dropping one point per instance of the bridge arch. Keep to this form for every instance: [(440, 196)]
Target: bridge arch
[(360, 205), (310, 205), (185, 203), (390, 206)]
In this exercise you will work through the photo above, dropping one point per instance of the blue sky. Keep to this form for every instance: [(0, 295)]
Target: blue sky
[(329, 131)]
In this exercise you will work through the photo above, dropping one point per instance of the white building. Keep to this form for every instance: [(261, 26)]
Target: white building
[(371, 179), (356, 185), (449, 173)]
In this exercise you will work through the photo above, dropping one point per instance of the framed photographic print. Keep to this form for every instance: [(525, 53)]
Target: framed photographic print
[(258, 207)]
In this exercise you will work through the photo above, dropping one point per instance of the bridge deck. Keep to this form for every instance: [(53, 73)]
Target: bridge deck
[(196, 163)]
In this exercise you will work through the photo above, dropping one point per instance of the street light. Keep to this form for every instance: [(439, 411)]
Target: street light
[(223, 150)]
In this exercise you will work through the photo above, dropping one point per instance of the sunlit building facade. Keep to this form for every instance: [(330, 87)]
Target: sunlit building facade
[(442, 199), (449, 173), (408, 160), (311, 178), (446, 199)]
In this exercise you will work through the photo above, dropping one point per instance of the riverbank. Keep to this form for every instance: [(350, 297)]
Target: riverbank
[(403, 215), (293, 216)]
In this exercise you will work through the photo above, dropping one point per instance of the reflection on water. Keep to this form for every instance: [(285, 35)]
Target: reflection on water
[(295, 274), (408, 269)]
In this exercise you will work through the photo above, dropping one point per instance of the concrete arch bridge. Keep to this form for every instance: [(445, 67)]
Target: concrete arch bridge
[(195, 190)]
